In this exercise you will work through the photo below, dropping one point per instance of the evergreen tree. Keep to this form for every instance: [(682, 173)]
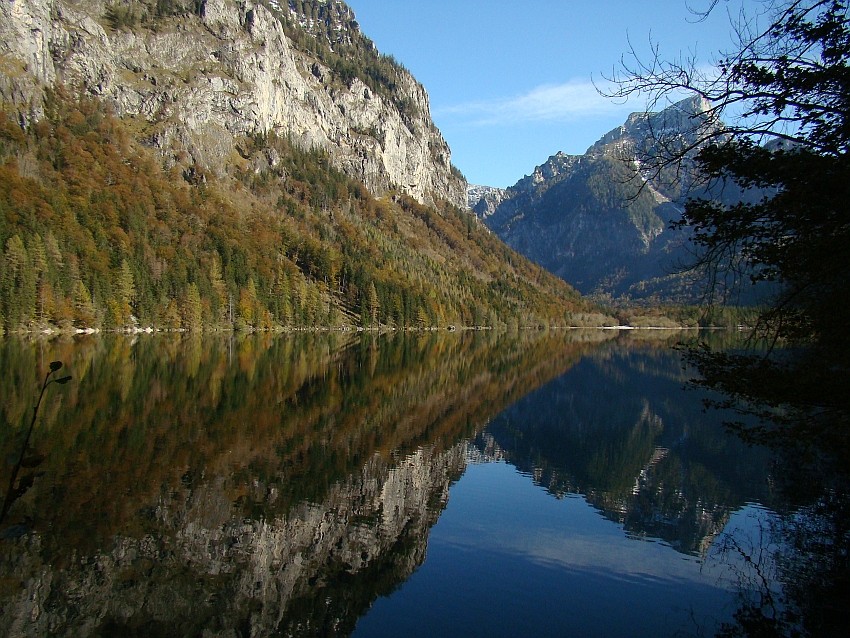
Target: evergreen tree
[(422, 320), (302, 301), (125, 294), (220, 298), (85, 315), (250, 312), (191, 312), (374, 305), (19, 284)]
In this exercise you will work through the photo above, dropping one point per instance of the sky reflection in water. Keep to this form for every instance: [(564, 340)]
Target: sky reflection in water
[(282, 485), (507, 559)]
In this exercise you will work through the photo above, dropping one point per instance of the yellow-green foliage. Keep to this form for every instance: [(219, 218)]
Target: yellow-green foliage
[(95, 232)]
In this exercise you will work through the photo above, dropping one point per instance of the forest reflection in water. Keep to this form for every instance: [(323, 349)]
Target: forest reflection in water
[(280, 485)]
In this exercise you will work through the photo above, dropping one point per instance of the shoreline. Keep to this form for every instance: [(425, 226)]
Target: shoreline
[(150, 330)]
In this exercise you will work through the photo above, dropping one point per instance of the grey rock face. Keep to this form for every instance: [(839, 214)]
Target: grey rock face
[(484, 200), (210, 571), (199, 82), (601, 220)]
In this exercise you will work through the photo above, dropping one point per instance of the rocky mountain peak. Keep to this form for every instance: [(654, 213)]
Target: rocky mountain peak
[(556, 166), (589, 220), (197, 77), (684, 119), (330, 20)]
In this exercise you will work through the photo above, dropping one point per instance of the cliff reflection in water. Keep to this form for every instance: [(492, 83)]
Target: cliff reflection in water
[(619, 430), (258, 485)]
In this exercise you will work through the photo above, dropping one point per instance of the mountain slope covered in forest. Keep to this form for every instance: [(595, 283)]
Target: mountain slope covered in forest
[(176, 216), (97, 233)]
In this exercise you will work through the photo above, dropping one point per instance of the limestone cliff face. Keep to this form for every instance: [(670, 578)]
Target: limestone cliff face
[(484, 200), (209, 570), (199, 81)]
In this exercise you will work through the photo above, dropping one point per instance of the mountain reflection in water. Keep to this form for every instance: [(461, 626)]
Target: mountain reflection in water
[(280, 485)]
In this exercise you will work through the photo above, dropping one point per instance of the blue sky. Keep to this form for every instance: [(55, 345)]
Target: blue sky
[(511, 81)]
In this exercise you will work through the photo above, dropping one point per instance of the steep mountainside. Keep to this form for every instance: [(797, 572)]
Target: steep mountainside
[(485, 199), (197, 75), (212, 164), (599, 220)]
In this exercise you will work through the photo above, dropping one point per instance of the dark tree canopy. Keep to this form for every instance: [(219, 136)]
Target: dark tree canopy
[(776, 127), (782, 96)]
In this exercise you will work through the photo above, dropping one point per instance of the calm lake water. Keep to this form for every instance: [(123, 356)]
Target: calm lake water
[(454, 485)]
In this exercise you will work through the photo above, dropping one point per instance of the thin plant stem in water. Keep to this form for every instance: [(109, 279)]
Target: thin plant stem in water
[(12, 493)]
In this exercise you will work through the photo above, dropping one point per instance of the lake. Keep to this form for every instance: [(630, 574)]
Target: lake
[(476, 483)]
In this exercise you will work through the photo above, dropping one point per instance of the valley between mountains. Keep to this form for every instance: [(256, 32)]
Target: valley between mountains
[(261, 166)]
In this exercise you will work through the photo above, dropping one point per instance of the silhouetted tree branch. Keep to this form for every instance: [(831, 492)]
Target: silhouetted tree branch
[(770, 119)]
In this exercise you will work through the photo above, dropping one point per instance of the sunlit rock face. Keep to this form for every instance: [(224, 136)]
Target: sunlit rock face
[(485, 200), (199, 81), (211, 569)]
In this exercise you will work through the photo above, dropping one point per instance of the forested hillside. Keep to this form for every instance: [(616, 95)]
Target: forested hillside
[(95, 232)]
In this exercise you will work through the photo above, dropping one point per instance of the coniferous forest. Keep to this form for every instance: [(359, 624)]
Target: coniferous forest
[(97, 232)]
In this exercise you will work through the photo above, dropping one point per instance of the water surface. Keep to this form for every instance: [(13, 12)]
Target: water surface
[(468, 484)]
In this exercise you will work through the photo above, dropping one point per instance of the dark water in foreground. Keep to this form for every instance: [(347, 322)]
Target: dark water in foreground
[(470, 484)]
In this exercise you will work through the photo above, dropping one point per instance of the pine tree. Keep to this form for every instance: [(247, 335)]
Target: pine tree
[(249, 306), (220, 297), (374, 304), (38, 259), (281, 292), (18, 285), (85, 315), (125, 294), (422, 320), (191, 315)]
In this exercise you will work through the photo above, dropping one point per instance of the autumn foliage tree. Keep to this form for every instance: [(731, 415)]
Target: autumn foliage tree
[(95, 232)]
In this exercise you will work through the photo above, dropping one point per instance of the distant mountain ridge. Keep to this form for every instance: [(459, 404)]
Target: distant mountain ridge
[(601, 220)]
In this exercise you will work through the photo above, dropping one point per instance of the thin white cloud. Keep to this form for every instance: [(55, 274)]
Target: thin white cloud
[(550, 102)]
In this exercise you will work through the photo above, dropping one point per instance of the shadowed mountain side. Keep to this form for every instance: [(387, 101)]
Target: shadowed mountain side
[(601, 220)]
